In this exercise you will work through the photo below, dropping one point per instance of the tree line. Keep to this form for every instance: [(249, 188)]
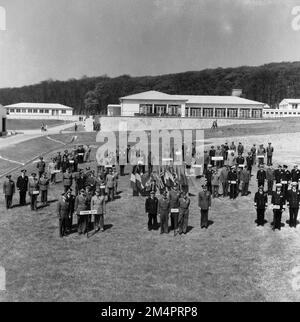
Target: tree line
[(268, 83)]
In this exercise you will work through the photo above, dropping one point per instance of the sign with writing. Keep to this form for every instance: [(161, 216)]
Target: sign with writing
[(35, 192), (88, 212), (174, 210), (276, 207), (217, 158), (55, 171)]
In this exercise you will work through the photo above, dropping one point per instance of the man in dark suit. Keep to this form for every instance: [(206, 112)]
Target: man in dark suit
[(208, 176), (249, 162), (295, 175), (270, 151), (204, 203), (293, 201), (232, 181), (151, 206), (8, 191), (164, 210), (174, 196), (63, 210), (285, 178), (261, 176), (278, 174), (81, 205), (278, 202), (22, 186), (41, 165), (260, 204)]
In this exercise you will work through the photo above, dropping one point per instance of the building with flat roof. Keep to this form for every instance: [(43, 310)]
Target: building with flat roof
[(154, 103), (288, 107), (2, 120), (40, 111)]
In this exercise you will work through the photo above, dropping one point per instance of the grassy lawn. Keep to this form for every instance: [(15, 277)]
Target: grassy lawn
[(18, 125), (232, 261)]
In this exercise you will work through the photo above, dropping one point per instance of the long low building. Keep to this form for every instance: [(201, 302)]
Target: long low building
[(288, 107), (40, 111), (154, 103)]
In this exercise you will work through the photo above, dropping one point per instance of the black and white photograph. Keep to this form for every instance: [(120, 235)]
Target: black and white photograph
[(149, 154)]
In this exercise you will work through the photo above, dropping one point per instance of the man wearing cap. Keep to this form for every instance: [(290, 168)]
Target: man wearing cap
[(270, 151), (293, 200), (249, 162), (253, 153), (270, 177), (44, 185), (232, 181), (208, 176), (261, 152), (98, 204), (260, 204), (63, 210), (8, 191), (71, 198), (245, 180), (163, 211), (295, 175), (58, 160), (224, 180), (206, 162), (184, 204), (174, 196), (232, 147), (204, 203), (22, 186), (80, 182), (261, 176), (240, 160), (278, 174), (33, 190), (41, 165), (285, 178), (67, 180), (151, 207), (240, 148), (278, 202), (51, 169), (81, 205), (226, 148), (212, 153), (110, 185)]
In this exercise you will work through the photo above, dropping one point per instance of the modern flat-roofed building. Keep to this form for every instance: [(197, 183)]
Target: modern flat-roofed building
[(153, 103), (40, 111), (2, 120), (288, 107)]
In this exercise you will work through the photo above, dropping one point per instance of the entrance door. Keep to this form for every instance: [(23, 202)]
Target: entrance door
[(3, 124)]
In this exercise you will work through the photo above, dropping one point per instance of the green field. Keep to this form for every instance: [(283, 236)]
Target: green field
[(18, 125), (231, 261)]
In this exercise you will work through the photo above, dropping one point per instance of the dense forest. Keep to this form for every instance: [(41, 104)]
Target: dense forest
[(90, 95)]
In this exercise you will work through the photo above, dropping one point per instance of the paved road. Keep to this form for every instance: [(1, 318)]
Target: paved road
[(31, 134)]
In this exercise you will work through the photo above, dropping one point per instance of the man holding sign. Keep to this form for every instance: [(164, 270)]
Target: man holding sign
[(98, 204), (81, 206)]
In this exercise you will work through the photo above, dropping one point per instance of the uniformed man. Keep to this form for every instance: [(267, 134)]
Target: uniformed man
[(278, 174), (151, 208), (33, 190), (240, 160), (285, 179), (295, 175), (22, 186), (261, 152), (249, 162), (41, 166), (204, 203), (163, 211), (8, 191), (71, 198), (245, 180), (212, 153), (270, 177), (253, 153), (110, 185), (293, 200), (58, 160), (260, 204), (67, 180), (232, 147), (224, 180), (174, 196), (51, 169), (240, 148), (232, 181), (98, 203), (44, 185), (81, 205), (261, 176), (116, 179), (184, 204), (80, 182), (63, 210), (278, 202), (208, 176), (270, 151)]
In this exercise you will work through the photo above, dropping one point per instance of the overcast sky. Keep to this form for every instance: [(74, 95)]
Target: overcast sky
[(62, 39)]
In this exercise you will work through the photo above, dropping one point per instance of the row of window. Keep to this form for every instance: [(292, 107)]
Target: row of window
[(282, 113), (148, 109), (35, 110), (221, 112)]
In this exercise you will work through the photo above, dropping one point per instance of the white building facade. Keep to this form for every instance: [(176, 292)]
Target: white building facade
[(287, 108), (153, 103), (40, 111)]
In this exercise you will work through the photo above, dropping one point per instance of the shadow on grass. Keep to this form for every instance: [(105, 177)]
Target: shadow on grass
[(265, 222), (47, 204)]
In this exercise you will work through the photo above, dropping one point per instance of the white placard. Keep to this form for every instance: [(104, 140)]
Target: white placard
[(233, 182), (217, 158), (284, 182), (174, 210), (55, 171), (71, 161), (81, 154), (276, 207), (197, 166), (260, 156), (102, 187), (88, 212), (108, 166), (35, 192)]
